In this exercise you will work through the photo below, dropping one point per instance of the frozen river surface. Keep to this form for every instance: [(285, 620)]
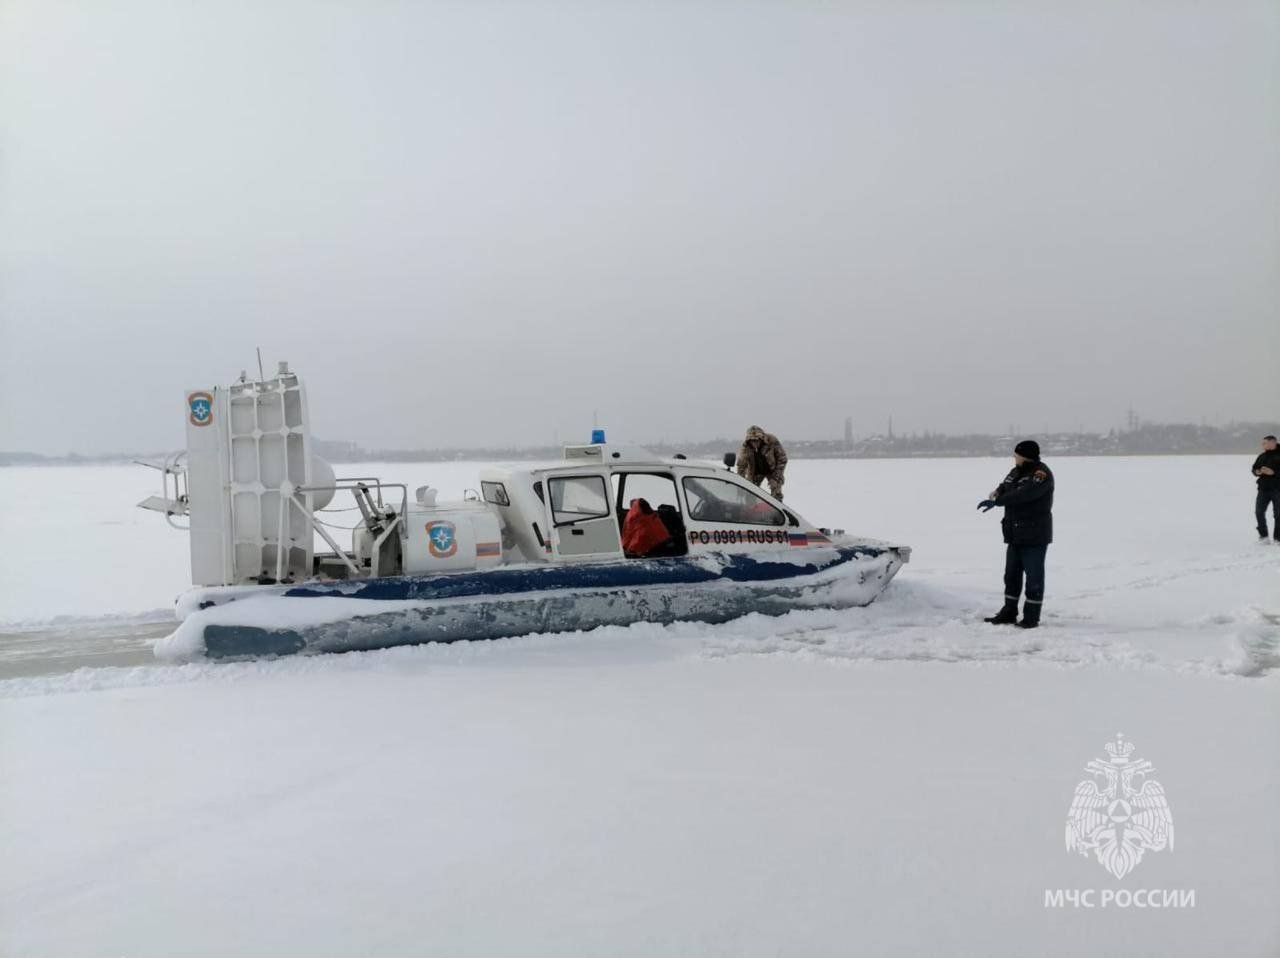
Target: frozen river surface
[(891, 780)]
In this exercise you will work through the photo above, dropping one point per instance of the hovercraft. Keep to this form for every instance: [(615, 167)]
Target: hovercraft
[(546, 547)]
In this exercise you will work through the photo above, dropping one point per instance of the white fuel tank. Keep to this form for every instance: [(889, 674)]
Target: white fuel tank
[(451, 537)]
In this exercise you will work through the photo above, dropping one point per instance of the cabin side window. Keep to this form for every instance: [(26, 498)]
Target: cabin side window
[(577, 498), (717, 500), (495, 492)]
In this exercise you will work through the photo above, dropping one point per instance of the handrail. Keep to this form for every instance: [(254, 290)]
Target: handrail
[(377, 484), (171, 468), (338, 484)]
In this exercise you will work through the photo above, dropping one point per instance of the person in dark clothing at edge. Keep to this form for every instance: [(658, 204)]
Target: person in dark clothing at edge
[(1267, 468), (1027, 497)]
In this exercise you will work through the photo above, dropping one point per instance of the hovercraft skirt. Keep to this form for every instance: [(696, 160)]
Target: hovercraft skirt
[(380, 613)]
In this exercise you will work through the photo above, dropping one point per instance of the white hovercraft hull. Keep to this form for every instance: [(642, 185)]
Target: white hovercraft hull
[(340, 616)]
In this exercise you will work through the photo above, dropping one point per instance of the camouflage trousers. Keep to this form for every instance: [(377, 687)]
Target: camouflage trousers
[(775, 486)]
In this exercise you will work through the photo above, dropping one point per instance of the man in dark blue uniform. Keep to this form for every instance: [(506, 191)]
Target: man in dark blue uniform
[(1267, 468), (1027, 497)]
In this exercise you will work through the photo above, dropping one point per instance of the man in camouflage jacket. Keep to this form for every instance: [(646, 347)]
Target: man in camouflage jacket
[(762, 457)]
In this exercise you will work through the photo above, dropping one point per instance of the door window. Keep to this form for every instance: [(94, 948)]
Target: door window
[(578, 498)]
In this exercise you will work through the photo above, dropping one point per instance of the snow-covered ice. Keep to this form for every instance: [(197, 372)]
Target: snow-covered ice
[(887, 780)]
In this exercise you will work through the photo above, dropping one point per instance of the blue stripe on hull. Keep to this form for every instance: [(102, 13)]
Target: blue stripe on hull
[(740, 567)]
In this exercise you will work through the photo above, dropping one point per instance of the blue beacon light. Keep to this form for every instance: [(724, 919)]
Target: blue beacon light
[(597, 437)]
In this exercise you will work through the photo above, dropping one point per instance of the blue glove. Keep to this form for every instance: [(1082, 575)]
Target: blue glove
[(986, 505)]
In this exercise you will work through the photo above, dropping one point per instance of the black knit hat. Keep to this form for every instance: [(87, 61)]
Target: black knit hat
[(1028, 449)]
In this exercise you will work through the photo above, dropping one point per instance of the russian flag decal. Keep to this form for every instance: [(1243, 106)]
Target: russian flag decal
[(808, 539)]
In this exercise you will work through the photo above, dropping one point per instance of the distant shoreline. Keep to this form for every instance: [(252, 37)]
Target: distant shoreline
[(1143, 439), (483, 456)]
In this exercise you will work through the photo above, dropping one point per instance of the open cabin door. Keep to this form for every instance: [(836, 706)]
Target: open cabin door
[(580, 514)]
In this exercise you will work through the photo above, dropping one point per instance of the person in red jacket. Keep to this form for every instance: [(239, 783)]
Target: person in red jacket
[(642, 530)]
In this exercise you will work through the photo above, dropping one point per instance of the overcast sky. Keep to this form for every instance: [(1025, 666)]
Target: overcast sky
[(476, 223)]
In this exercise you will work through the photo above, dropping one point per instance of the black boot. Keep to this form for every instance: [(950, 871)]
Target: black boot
[(1006, 616), (1030, 615)]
